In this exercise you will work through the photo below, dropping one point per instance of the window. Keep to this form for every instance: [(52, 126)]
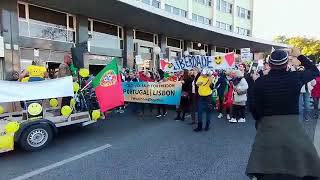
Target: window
[(224, 6), (249, 15), (146, 1), (242, 31), (156, 3), (22, 11), (218, 4), (174, 42), (244, 13), (144, 36), (202, 47), (184, 13), (168, 8), (105, 35), (176, 11), (38, 22), (204, 2), (201, 19), (194, 17), (207, 21), (224, 26)]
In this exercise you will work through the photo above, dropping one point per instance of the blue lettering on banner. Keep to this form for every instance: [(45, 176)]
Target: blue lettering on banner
[(181, 62)]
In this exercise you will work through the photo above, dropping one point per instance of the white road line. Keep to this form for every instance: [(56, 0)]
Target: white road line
[(317, 137), (60, 163)]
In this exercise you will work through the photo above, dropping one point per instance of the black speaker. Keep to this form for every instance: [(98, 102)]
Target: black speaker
[(77, 55)]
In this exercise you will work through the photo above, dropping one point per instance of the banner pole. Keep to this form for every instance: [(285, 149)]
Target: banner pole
[(86, 85)]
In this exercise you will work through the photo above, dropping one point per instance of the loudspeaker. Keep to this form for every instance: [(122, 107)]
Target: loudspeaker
[(77, 55)]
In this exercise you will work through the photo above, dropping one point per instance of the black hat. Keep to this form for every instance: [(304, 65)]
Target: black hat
[(278, 57)]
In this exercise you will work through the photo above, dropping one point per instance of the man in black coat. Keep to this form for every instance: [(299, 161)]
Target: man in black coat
[(282, 150)]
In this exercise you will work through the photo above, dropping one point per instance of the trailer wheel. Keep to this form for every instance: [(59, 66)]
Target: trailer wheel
[(36, 137)]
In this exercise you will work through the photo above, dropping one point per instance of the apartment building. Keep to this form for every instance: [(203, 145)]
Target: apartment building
[(45, 30)]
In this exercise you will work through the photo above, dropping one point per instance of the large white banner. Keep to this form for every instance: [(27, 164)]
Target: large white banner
[(225, 61), (12, 91)]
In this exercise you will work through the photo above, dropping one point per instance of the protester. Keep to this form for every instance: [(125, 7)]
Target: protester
[(204, 83), (194, 94), (185, 96), (281, 149), (222, 89), (304, 100), (315, 93), (239, 97), (163, 107), (64, 68)]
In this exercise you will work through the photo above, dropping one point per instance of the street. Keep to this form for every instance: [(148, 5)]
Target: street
[(141, 148)]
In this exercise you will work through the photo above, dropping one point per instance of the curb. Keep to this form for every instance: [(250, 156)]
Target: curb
[(317, 137)]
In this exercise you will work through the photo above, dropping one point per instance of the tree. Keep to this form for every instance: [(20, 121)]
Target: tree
[(308, 46)]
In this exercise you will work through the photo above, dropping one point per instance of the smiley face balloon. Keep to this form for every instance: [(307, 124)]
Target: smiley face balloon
[(218, 60), (34, 109)]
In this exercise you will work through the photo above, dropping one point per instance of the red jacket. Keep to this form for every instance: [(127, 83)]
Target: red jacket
[(316, 89), (145, 78)]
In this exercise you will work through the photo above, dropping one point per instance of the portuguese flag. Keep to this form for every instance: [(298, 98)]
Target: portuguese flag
[(108, 87)]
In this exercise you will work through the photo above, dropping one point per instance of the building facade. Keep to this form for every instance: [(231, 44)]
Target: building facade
[(45, 30)]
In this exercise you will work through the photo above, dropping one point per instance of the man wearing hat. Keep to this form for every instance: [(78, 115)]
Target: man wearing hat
[(282, 150)]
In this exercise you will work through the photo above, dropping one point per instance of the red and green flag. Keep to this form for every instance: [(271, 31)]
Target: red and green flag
[(108, 87)]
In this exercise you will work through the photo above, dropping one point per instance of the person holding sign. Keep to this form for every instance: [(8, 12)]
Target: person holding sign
[(204, 84)]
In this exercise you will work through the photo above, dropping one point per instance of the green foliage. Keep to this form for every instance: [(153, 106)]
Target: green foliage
[(308, 46)]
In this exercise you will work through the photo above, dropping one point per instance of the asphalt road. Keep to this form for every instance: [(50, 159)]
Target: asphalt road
[(141, 149)]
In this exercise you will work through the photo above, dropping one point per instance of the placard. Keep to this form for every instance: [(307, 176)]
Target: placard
[(152, 92)]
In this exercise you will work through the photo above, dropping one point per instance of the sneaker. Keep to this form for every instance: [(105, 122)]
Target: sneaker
[(165, 114), (220, 116), (177, 118), (159, 116), (121, 111), (242, 120), (228, 117), (233, 120)]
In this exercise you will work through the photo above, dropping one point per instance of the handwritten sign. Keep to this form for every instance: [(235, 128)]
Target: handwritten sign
[(188, 62)]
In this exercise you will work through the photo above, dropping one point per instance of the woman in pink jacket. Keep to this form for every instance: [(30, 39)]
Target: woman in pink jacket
[(315, 94)]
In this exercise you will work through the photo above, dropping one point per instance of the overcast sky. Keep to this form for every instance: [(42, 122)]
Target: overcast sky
[(286, 17)]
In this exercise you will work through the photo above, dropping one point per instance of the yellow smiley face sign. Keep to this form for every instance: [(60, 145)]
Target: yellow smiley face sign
[(34, 109), (218, 60)]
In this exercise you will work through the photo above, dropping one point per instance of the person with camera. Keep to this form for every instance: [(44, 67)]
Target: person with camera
[(204, 84), (281, 149)]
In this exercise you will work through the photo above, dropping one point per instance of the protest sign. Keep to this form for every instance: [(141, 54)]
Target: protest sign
[(152, 92), (246, 55), (188, 62)]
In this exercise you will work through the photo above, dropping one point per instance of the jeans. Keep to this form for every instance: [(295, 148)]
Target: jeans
[(203, 106), (304, 102)]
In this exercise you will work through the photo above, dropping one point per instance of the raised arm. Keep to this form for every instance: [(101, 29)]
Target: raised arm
[(311, 71)]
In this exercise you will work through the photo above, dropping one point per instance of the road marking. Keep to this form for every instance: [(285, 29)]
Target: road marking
[(317, 137), (60, 163)]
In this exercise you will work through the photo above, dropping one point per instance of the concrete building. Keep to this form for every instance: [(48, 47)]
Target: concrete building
[(47, 29)]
